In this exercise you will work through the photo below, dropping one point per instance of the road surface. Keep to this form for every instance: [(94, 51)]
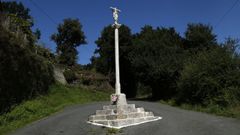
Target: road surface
[(175, 121)]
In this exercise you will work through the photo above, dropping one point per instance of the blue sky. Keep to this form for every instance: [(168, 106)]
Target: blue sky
[(95, 14)]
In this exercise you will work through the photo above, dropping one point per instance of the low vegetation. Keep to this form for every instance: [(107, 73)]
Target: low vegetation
[(113, 131), (230, 111), (59, 96)]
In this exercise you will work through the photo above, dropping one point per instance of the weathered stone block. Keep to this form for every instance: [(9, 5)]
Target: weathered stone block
[(149, 114), (140, 109), (115, 117), (135, 115), (97, 117), (118, 116), (106, 122), (104, 112)]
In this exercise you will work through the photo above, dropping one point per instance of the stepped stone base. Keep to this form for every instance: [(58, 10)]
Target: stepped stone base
[(121, 115)]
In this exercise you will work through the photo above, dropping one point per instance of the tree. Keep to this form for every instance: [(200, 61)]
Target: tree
[(105, 62), (210, 77), (19, 20), (17, 9), (157, 58), (199, 37), (37, 34), (24, 74), (68, 38)]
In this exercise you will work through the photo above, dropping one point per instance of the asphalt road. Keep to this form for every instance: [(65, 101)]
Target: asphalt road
[(72, 121)]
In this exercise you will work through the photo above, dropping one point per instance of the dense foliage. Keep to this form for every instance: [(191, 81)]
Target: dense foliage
[(199, 37), (68, 38), (24, 72), (19, 20), (105, 62), (70, 75), (211, 77), (157, 58), (193, 69)]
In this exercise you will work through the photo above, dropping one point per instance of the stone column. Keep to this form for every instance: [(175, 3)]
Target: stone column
[(118, 98), (117, 70)]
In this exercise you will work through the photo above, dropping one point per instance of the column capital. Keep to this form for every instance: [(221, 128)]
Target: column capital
[(116, 25)]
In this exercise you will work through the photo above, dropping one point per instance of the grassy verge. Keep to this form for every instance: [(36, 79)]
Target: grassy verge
[(113, 131), (59, 97), (233, 112)]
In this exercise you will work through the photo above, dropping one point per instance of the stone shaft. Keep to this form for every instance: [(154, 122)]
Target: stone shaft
[(117, 85)]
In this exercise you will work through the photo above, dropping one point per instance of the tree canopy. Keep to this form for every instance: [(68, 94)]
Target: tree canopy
[(193, 69), (210, 77), (105, 62), (199, 37), (24, 73), (17, 9), (68, 38), (157, 57)]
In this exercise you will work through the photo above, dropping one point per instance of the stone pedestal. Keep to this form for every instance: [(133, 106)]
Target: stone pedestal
[(121, 114), (120, 99)]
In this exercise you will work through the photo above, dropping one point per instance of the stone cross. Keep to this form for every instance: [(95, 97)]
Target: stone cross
[(120, 114), (116, 25)]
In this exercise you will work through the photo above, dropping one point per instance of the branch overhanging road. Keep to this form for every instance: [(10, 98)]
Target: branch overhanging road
[(72, 121)]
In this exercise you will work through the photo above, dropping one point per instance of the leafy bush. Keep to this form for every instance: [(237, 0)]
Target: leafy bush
[(24, 74), (212, 77), (70, 75), (46, 53)]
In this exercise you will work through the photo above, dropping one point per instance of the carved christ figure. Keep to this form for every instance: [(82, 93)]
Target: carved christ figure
[(115, 14)]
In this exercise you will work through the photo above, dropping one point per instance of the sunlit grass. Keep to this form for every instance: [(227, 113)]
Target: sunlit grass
[(59, 97), (231, 111)]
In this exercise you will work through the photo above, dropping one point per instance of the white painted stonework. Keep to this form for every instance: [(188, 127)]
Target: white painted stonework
[(120, 114)]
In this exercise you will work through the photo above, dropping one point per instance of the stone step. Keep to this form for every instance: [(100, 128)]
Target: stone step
[(114, 107), (140, 115), (118, 116), (140, 109), (105, 112), (119, 111), (128, 110), (149, 114), (124, 122), (97, 117), (121, 116)]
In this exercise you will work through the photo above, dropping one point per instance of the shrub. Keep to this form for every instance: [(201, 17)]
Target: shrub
[(70, 75), (24, 74), (212, 77)]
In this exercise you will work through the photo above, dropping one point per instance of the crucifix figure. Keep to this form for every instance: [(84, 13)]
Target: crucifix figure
[(115, 14)]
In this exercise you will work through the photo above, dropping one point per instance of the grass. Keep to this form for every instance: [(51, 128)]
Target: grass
[(59, 97), (113, 131), (233, 112)]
